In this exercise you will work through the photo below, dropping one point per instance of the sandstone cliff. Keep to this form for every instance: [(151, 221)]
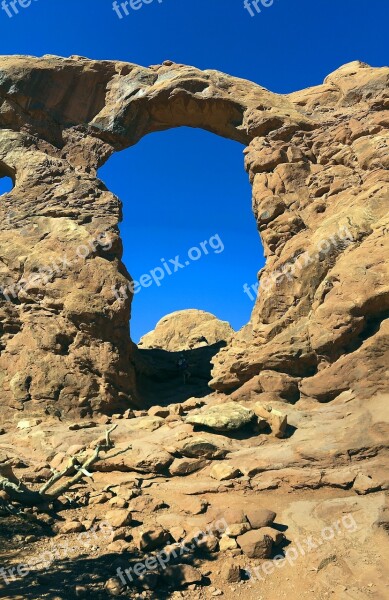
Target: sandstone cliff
[(317, 160)]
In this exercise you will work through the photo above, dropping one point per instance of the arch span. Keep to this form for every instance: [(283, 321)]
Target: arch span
[(64, 335)]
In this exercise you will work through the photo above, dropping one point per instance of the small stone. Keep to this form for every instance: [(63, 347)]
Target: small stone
[(195, 506), (201, 447), (186, 466), (30, 539), (237, 529), (118, 502), (71, 527), (118, 546), (149, 539), (222, 472), (277, 536), (176, 409), (230, 571), (255, 544), (118, 517), (28, 423), (364, 484), (227, 543), (177, 533), (82, 425), (260, 517), (278, 421), (114, 586), (159, 411), (182, 575)]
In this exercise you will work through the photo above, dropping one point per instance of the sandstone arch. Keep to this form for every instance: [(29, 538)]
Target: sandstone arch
[(314, 167)]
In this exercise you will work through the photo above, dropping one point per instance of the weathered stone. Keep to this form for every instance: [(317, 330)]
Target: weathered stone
[(236, 529), (114, 586), (230, 572), (223, 417), (223, 472), (318, 163), (278, 421), (187, 329), (71, 527), (159, 411), (201, 447), (195, 506), (255, 544), (118, 517), (227, 543), (186, 466), (277, 536), (149, 539), (260, 517), (364, 484), (182, 575)]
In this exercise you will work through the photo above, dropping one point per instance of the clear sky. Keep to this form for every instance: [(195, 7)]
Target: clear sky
[(184, 187)]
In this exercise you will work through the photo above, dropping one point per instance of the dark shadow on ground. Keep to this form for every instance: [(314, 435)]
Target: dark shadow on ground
[(160, 382), (86, 576)]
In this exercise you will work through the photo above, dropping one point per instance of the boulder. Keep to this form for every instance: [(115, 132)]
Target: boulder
[(158, 411), (260, 517), (223, 472), (277, 421), (222, 417), (71, 527), (227, 543), (256, 544), (186, 330), (201, 447), (364, 484), (150, 539), (230, 572), (186, 466), (119, 517), (182, 575)]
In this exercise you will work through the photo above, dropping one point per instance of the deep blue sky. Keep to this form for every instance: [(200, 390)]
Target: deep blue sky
[(183, 186)]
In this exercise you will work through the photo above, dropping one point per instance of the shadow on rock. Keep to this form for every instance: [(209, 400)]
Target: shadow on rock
[(161, 381)]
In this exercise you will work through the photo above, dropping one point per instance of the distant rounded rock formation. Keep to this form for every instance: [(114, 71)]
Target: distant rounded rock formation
[(186, 330)]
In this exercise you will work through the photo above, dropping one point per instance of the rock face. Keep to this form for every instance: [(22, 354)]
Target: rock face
[(317, 161), (187, 329)]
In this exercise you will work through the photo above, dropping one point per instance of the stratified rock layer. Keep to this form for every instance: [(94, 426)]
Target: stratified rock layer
[(317, 160)]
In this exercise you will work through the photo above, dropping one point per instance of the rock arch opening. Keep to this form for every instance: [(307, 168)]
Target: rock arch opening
[(191, 244), (188, 230), (6, 183)]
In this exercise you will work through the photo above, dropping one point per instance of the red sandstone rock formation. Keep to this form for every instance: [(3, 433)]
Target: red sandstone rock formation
[(317, 160)]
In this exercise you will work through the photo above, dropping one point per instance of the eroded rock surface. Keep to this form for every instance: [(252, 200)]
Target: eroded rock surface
[(186, 330), (317, 160)]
